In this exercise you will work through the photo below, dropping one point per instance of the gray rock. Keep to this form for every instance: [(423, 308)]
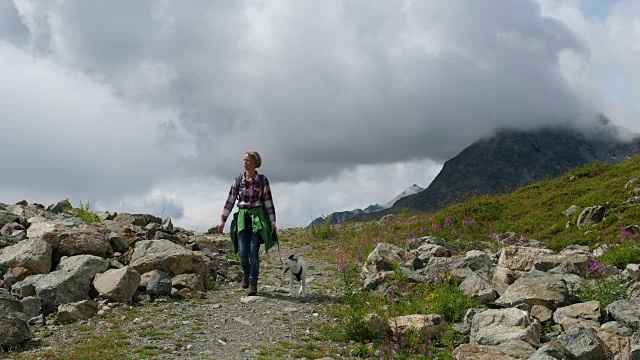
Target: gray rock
[(171, 258), (626, 312), (81, 310), (496, 326), (71, 281), (117, 285), (117, 243), (32, 254), (7, 217), (591, 215), (476, 286), (536, 288), (617, 328), (13, 327), (156, 283), (582, 343), (572, 210), (552, 351), (576, 249)]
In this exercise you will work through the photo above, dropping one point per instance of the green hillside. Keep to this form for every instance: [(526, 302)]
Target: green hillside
[(534, 211)]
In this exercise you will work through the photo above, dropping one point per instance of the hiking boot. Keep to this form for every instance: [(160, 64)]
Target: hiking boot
[(253, 287), (245, 281)]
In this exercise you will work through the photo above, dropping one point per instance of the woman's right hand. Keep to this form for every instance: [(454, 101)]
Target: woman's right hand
[(221, 228)]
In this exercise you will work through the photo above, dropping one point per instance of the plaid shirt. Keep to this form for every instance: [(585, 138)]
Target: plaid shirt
[(248, 196)]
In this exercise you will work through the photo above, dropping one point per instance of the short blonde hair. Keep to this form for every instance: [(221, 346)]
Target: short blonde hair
[(255, 157)]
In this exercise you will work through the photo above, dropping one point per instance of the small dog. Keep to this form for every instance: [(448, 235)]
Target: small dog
[(298, 273)]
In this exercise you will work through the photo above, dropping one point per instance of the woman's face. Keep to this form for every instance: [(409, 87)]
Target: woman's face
[(248, 163)]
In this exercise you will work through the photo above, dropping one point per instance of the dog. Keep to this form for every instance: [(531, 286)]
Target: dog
[(298, 274)]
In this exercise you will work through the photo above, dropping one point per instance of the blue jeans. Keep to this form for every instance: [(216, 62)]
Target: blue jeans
[(248, 248)]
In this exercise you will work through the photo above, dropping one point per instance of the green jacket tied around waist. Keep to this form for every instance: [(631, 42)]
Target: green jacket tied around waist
[(259, 225)]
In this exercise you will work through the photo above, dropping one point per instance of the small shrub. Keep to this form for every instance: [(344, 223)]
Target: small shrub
[(324, 231), (83, 212), (606, 290), (621, 256)]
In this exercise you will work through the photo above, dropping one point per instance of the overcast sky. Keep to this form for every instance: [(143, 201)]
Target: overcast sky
[(148, 106)]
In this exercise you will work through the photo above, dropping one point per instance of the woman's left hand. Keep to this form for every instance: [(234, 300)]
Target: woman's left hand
[(273, 228)]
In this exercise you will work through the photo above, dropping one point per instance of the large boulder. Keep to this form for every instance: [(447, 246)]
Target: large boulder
[(386, 257), (591, 215), (117, 285), (497, 326), (521, 258), (32, 254), (582, 343), (163, 255), (70, 282), (536, 288), (626, 312), (13, 327)]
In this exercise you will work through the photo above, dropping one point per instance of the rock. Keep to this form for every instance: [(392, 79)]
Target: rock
[(579, 261), (536, 288), (117, 243), (193, 282), (386, 257), (85, 240), (479, 352), (541, 313), (617, 328), (476, 286), (552, 351), (572, 210), (81, 310), (497, 326), (171, 258), (156, 283), (517, 349), (71, 281), (586, 314), (503, 278), (13, 233), (590, 216), (576, 249), (626, 312), (632, 201), (7, 217), (521, 258), (13, 327), (420, 323), (33, 254), (629, 185), (141, 220), (582, 343), (31, 306), (117, 285)]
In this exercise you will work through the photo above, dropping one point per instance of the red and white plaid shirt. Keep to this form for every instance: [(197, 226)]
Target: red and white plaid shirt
[(249, 196)]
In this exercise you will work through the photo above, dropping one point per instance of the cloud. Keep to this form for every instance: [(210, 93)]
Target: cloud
[(319, 87)]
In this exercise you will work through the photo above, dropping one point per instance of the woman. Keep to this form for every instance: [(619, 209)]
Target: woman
[(256, 218)]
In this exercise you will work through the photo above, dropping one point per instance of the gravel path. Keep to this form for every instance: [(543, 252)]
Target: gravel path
[(225, 324)]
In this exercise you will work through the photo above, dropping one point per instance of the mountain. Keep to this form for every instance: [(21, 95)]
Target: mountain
[(510, 159), (340, 216), (413, 189)]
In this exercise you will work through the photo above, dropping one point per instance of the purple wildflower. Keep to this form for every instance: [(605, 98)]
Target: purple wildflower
[(493, 236), (358, 256), (435, 227)]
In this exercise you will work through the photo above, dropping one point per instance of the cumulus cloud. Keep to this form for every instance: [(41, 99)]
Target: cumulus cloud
[(319, 87)]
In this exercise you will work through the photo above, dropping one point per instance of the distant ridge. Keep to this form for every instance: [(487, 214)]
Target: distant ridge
[(340, 216)]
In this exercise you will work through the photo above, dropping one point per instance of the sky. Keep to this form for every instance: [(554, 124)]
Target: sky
[(149, 106)]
